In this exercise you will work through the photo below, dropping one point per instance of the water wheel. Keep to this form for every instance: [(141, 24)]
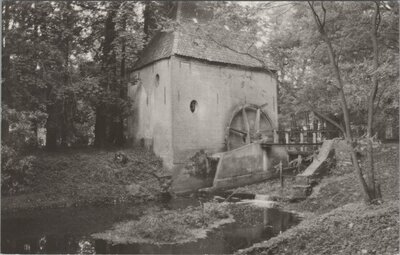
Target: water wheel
[(247, 125)]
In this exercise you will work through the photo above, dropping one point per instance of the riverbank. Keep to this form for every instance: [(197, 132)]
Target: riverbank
[(336, 221), (78, 177), (170, 226)]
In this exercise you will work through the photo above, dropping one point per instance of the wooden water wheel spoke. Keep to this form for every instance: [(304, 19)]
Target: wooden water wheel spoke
[(257, 123), (265, 131), (246, 124), (237, 131)]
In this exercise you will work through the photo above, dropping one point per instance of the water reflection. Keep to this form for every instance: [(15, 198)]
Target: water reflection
[(68, 231), (55, 245), (86, 246)]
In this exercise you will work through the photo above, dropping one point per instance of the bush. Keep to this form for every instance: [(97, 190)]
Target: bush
[(197, 165), (160, 227), (16, 171), (216, 210), (16, 166), (21, 134)]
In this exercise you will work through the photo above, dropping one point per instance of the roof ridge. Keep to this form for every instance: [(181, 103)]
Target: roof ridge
[(188, 41)]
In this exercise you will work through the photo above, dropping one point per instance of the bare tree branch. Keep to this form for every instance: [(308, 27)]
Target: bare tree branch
[(239, 52), (324, 17), (316, 17), (315, 111), (377, 15), (379, 98), (369, 192), (374, 89)]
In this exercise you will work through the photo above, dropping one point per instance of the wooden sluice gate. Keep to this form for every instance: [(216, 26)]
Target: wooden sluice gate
[(257, 161)]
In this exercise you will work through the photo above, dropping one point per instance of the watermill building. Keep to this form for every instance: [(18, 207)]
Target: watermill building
[(192, 94)]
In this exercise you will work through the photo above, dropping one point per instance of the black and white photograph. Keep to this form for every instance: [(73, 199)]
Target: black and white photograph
[(200, 127)]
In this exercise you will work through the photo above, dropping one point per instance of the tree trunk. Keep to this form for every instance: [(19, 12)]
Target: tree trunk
[(100, 127), (371, 101), (65, 102), (104, 130), (66, 120), (335, 68), (119, 129), (51, 128), (346, 115), (5, 70), (148, 20), (4, 130)]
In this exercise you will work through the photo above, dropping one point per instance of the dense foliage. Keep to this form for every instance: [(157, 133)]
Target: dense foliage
[(64, 60), (347, 68), (304, 67), (65, 71)]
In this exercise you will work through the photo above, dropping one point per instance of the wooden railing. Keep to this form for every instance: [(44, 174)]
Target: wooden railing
[(303, 136), (305, 140)]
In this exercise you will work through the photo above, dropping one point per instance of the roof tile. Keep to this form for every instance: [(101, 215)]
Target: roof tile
[(195, 44)]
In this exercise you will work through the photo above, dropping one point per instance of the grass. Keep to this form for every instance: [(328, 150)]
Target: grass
[(351, 229), (167, 227), (342, 186), (337, 221), (88, 176)]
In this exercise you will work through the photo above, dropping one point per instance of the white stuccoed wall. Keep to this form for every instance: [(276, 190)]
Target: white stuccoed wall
[(218, 91), (162, 114), (151, 109)]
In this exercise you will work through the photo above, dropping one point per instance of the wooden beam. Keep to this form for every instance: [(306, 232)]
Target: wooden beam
[(246, 124)]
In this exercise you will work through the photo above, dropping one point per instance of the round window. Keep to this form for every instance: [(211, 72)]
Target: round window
[(157, 80), (193, 106)]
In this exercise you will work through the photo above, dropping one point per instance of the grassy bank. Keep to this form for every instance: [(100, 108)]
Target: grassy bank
[(170, 227), (87, 176), (337, 222)]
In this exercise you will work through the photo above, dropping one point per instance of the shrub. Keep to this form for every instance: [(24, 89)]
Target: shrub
[(197, 165), (16, 171), (160, 227), (165, 226), (216, 210)]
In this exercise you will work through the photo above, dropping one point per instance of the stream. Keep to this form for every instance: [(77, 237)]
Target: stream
[(68, 230)]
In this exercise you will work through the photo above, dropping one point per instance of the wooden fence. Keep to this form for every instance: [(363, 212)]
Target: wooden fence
[(305, 140), (303, 136)]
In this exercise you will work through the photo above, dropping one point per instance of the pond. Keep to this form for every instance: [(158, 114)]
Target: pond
[(68, 230)]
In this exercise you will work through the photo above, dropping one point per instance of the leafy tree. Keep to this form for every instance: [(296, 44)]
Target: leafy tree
[(126, 31), (334, 61), (156, 15), (370, 188), (122, 40), (327, 62)]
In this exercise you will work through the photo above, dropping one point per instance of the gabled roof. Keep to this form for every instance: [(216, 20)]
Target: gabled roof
[(159, 47), (193, 43)]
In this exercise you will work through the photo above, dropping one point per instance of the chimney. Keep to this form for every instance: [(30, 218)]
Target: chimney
[(179, 11)]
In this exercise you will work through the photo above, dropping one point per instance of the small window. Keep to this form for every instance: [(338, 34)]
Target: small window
[(157, 80), (193, 106)]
